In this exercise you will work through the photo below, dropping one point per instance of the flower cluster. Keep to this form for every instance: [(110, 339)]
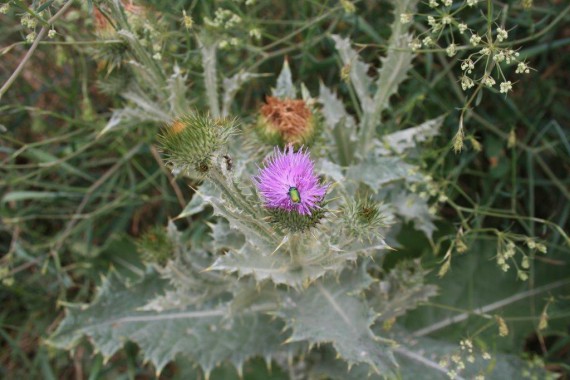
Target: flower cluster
[(491, 53), (229, 26), (288, 182), (507, 250)]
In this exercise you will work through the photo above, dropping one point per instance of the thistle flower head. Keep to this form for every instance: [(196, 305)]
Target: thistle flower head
[(191, 141), (286, 121), (288, 182)]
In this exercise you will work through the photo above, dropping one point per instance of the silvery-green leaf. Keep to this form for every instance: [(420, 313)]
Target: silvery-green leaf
[(176, 90), (231, 86), (330, 169), (400, 290), (149, 109), (358, 71), (208, 50), (314, 261), (394, 70), (198, 204), (333, 108), (377, 171), (413, 208), (305, 94), (333, 311), (285, 88), (205, 333), (408, 138)]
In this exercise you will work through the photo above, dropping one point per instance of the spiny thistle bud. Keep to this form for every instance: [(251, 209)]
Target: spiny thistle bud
[(191, 141), (287, 121), (291, 221), (363, 217), (155, 246)]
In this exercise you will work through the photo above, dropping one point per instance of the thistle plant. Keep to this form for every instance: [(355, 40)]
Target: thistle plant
[(293, 267)]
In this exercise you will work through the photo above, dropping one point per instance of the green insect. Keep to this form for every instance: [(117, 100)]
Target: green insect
[(294, 194)]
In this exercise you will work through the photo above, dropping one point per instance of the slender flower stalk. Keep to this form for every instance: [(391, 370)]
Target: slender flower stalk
[(288, 182)]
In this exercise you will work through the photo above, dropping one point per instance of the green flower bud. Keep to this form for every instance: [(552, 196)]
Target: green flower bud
[(191, 141), (363, 217), (155, 246)]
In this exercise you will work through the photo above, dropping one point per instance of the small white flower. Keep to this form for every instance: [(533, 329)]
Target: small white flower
[(446, 20), (405, 18), (486, 356), (472, 3), (31, 37), (462, 27), (522, 275), (522, 68), (488, 81), (525, 263), (502, 34), (255, 33), (4, 8), (427, 41), (499, 57), (433, 3), (466, 82), (447, 3), (467, 65), (51, 33), (249, 2), (431, 21), (506, 87), (475, 39), (415, 44), (451, 50), (485, 51), (157, 56)]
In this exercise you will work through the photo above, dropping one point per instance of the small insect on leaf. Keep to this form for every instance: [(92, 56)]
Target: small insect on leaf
[(294, 194)]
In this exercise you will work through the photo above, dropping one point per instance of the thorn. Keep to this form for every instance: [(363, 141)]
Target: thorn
[(239, 369)]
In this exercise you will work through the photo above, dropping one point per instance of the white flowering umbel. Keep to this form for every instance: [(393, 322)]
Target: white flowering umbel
[(491, 56)]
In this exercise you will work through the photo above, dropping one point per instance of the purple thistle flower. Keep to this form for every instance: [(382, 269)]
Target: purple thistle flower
[(288, 182)]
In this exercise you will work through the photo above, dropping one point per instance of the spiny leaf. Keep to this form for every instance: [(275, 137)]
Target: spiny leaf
[(285, 88), (409, 138), (333, 311), (205, 333), (326, 252), (232, 86), (415, 209), (208, 50), (333, 108), (358, 71), (377, 171)]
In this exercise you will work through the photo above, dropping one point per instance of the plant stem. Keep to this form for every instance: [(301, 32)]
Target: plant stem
[(30, 52)]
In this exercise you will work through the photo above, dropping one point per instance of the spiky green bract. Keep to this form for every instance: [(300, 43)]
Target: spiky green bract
[(294, 222), (363, 218), (155, 246), (191, 141)]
